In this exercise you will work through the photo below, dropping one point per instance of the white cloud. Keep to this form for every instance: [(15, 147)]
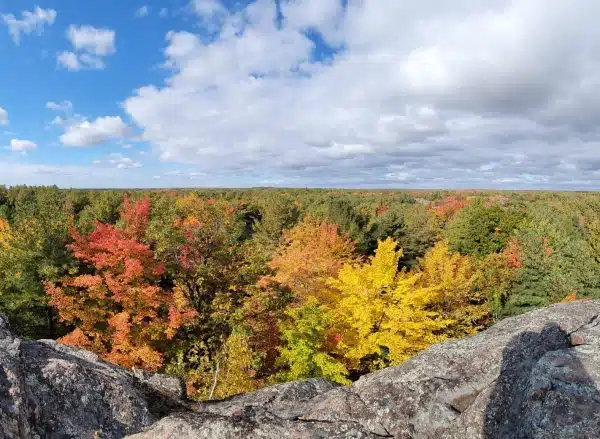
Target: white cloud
[(450, 87), (143, 11), (121, 161), (96, 41), (63, 107), (31, 21), (67, 117), (97, 132), (19, 145), (69, 60), (91, 45), (325, 15), (207, 7), (3, 116)]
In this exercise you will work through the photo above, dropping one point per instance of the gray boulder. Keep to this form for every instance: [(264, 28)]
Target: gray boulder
[(534, 376), (48, 390)]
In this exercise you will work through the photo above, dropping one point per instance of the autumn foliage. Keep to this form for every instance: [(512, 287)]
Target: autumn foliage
[(116, 303), (449, 206), (311, 252), (232, 290)]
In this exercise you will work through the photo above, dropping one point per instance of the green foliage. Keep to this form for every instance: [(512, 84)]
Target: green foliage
[(557, 261), (341, 212), (478, 230), (412, 226), (229, 372), (35, 251), (304, 352), (103, 206)]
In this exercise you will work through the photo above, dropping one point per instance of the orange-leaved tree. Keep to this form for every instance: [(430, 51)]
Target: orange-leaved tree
[(116, 303), (310, 254)]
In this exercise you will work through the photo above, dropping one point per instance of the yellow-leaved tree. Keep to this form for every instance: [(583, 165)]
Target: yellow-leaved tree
[(385, 315), (229, 373), (459, 295), (4, 233)]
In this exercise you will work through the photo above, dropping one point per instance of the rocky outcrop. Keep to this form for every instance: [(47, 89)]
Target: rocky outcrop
[(48, 390), (533, 376)]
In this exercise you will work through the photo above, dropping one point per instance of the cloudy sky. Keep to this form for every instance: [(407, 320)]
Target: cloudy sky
[(344, 93)]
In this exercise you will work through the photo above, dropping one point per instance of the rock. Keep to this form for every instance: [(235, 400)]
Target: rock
[(49, 390), (534, 376), (519, 379)]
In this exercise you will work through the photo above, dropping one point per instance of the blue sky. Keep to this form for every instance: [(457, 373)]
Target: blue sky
[(345, 93)]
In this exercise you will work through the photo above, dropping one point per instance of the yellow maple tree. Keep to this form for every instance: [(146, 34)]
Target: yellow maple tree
[(454, 278), (386, 315), (382, 313)]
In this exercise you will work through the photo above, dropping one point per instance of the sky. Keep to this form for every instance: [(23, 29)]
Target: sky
[(301, 93)]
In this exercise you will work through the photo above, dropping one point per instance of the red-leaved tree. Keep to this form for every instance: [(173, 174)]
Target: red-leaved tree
[(116, 303)]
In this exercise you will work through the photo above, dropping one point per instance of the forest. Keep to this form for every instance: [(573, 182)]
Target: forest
[(232, 290)]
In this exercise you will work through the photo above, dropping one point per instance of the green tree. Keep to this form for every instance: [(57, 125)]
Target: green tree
[(304, 353), (557, 261), (479, 230), (35, 251)]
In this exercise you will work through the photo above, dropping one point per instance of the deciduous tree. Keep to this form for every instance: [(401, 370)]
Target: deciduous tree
[(116, 303), (311, 252)]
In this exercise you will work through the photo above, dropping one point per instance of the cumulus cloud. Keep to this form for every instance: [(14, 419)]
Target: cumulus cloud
[(142, 11), (344, 93), (90, 46), (3, 116), (99, 131), (22, 146), (30, 22)]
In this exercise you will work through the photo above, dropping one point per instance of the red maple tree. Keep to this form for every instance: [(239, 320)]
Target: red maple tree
[(116, 303)]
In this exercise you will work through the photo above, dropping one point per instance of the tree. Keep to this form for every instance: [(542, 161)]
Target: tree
[(478, 230), (260, 314), (104, 207), (383, 316), (304, 354), (230, 371), (276, 215), (455, 279), (310, 253), (200, 241), (340, 211), (555, 260), (497, 275), (411, 225), (449, 206), (34, 252), (116, 303)]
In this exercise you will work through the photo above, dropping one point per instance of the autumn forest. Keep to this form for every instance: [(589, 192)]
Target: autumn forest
[(233, 290)]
